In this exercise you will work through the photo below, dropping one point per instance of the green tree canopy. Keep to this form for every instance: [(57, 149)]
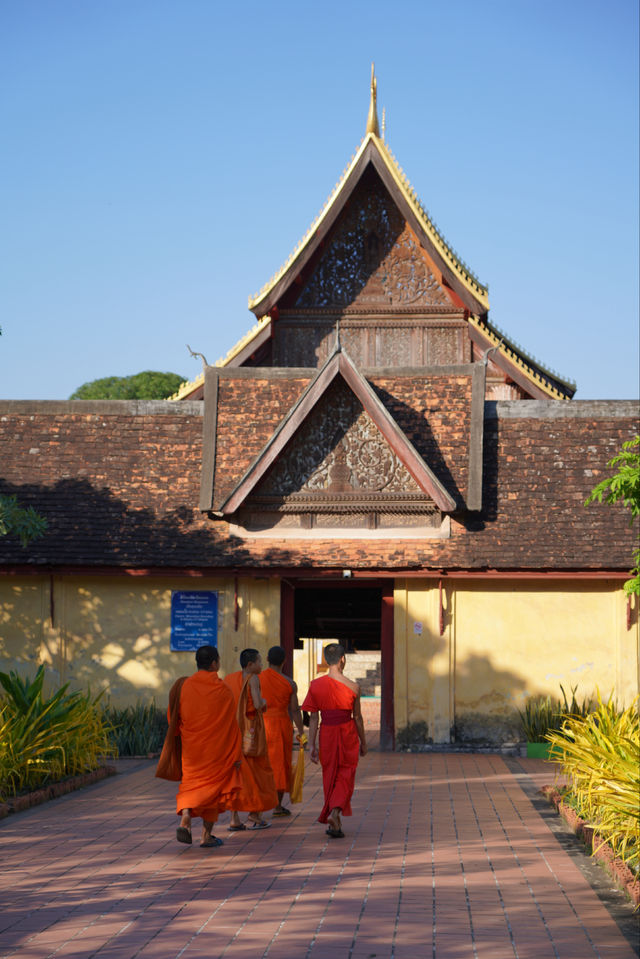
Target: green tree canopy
[(20, 521), (149, 385), (624, 486)]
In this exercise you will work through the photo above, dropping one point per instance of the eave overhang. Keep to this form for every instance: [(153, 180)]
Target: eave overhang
[(541, 383)]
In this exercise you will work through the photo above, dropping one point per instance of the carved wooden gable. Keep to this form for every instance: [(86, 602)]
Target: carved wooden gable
[(338, 470), (373, 260)]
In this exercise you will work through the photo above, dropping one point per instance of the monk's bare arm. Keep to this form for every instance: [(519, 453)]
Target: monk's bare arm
[(313, 737), (294, 710), (256, 693), (358, 720)]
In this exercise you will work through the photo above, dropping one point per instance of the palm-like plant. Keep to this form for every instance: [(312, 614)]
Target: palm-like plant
[(43, 740)]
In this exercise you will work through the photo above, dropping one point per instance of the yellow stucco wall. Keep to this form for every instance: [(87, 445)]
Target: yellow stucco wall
[(113, 633), (503, 642)]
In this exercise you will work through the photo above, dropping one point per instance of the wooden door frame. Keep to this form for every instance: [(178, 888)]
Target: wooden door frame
[(287, 639)]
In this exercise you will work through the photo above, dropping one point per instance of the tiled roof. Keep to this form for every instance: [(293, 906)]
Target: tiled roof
[(121, 488)]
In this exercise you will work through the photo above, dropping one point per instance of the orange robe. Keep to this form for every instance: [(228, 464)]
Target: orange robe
[(211, 746), (339, 742), (277, 689), (258, 791)]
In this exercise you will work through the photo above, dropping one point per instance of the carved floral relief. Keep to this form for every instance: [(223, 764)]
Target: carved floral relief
[(373, 261), (339, 451)]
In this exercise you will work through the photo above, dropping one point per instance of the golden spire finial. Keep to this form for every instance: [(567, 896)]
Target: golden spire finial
[(372, 119)]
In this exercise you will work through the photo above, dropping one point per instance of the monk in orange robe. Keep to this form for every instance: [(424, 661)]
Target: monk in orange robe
[(281, 694), (258, 791), (342, 738), (206, 734)]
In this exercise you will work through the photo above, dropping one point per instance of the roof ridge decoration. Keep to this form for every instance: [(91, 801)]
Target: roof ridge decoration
[(187, 388), (464, 273), (524, 361), (372, 119), (339, 364)]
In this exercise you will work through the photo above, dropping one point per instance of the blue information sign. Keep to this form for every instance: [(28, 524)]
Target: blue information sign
[(194, 619)]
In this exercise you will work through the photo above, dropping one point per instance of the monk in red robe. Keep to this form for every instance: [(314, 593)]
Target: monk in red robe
[(281, 694), (205, 734), (258, 791), (342, 738)]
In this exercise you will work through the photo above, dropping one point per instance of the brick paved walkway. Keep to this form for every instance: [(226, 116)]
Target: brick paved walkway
[(444, 857)]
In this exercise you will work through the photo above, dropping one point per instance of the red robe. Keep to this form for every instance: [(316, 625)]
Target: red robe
[(210, 741), (277, 689), (258, 791), (339, 743)]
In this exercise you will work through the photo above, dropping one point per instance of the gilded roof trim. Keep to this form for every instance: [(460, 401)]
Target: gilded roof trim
[(464, 274), (190, 386), (533, 370)]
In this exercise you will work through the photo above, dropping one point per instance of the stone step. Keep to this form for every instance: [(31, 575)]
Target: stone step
[(365, 669)]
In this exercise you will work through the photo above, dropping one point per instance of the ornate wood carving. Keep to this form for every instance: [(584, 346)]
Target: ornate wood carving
[(373, 260), (372, 341), (339, 465)]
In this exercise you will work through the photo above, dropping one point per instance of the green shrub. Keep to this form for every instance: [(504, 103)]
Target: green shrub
[(600, 755), (43, 740), (542, 714), (137, 730)]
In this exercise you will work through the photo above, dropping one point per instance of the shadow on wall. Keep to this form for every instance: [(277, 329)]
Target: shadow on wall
[(92, 527), (90, 530), (415, 425), (493, 715)]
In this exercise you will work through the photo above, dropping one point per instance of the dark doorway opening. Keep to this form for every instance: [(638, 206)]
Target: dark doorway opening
[(360, 616), (351, 615)]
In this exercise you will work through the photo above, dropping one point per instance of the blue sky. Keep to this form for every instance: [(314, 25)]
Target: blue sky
[(161, 158)]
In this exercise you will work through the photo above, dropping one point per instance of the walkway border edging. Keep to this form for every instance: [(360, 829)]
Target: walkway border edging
[(601, 850), (55, 790)]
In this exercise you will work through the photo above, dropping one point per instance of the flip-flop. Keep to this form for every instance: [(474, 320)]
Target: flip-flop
[(210, 843), (239, 828), (184, 835), (335, 833), (280, 813), (259, 824)]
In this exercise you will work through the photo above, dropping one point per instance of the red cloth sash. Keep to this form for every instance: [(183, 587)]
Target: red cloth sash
[(335, 717)]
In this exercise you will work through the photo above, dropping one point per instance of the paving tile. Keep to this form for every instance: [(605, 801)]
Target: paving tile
[(98, 873)]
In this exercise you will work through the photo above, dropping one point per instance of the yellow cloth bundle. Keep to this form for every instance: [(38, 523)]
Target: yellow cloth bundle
[(298, 773)]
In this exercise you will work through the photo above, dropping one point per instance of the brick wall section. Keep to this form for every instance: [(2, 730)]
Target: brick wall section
[(249, 410), (435, 414), (119, 485)]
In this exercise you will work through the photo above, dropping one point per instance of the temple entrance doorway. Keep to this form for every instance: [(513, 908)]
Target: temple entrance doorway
[(359, 616)]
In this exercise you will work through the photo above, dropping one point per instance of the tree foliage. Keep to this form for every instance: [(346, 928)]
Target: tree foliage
[(23, 522), (623, 486), (149, 385)]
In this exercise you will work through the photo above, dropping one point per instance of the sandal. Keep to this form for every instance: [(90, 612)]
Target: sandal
[(335, 833), (184, 835), (259, 824), (239, 828), (280, 812), (211, 842)]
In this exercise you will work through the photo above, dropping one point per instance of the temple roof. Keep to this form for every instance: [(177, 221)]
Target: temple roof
[(533, 377), (373, 150), (137, 508)]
